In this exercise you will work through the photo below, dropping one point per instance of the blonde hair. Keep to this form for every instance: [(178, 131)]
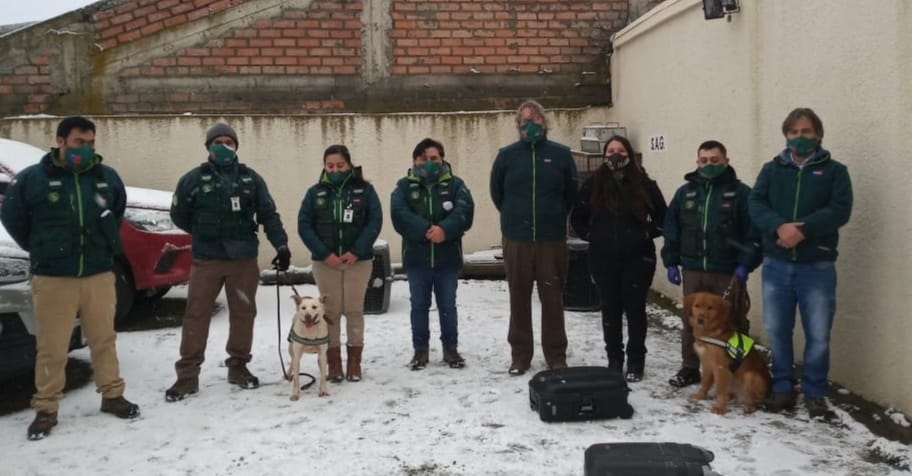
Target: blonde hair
[(534, 105)]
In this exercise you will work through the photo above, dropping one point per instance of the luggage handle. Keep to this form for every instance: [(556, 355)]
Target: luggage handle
[(587, 406)]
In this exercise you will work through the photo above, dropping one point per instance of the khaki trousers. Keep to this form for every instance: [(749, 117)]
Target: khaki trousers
[(240, 279), (716, 283), (545, 264), (56, 302), (344, 288)]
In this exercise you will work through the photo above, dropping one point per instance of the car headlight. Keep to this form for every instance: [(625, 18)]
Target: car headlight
[(150, 220)]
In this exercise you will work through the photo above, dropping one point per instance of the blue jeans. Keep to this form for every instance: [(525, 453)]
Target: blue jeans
[(812, 288), (442, 281)]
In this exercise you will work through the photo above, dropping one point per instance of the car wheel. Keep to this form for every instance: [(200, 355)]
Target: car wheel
[(123, 286), (154, 294)]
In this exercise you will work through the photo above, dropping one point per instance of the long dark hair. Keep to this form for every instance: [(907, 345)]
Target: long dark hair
[(607, 194)]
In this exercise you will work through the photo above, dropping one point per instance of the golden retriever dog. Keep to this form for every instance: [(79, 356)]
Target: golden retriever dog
[(309, 334), (750, 382)]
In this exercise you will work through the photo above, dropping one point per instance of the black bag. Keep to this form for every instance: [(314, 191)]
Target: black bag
[(579, 393), (648, 459)]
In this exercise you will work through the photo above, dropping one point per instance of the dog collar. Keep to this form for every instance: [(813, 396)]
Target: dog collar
[(292, 337), (737, 346)]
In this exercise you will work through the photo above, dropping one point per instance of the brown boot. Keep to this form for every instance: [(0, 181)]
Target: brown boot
[(334, 359), (42, 425), (354, 363)]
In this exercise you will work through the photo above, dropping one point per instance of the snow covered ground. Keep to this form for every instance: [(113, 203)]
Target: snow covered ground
[(440, 421)]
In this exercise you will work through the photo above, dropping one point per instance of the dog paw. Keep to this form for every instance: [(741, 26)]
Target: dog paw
[(324, 393), (748, 409), (718, 409), (697, 396), (295, 397)]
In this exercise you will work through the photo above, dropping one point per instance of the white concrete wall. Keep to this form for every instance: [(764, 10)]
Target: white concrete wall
[(677, 75), (288, 151)]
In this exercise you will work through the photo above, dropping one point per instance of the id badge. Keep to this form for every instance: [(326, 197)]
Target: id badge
[(348, 215), (235, 204)]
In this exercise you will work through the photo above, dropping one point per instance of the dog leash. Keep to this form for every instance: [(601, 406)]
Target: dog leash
[(279, 328)]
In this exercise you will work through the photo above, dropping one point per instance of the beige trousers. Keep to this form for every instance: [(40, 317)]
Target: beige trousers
[(56, 302), (344, 287)]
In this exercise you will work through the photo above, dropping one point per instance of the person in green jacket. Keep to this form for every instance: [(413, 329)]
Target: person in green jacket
[(708, 234), (222, 203), (800, 200), (339, 220), (65, 211), (432, 208), (534, 187)]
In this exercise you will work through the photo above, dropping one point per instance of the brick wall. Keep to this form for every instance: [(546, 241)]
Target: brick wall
[(26, 87), (520, 36)]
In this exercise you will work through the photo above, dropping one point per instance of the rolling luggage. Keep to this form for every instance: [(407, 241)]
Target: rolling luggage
[(579, 393), (648, 459)]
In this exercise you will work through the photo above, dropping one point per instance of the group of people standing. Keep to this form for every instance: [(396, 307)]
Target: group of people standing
[(66, 210)]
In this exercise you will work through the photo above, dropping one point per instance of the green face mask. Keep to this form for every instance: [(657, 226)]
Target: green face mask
[(711, 171), (222, 155), (79, 159), (802, 146), (429, 171), (531, 132), (338, 178)]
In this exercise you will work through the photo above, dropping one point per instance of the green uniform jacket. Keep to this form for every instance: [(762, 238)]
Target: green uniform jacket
[(416, 205), (339, 219), (534, 186), (818, 194), (222, 209), (68, 222), (708, 226)]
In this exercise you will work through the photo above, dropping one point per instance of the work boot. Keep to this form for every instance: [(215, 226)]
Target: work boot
[(419, 360), (452, 358), (334, 359), (685, 377), (778, 401), (634, 373), (817, 408), (517, 369), (183, 388), (120, 407), (240, 376), (41, 425), (354, 363)]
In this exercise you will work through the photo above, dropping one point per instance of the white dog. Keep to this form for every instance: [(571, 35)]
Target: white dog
[(309, 333)]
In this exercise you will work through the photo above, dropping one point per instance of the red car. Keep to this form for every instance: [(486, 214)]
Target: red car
[(156, 253)]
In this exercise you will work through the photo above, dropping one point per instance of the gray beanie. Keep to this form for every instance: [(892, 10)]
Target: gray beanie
[(220, 129)]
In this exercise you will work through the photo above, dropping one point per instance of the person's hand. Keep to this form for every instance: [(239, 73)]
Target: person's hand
[(333, 261), (435, 234), (789, 234), (674, 275), (348, 258), (741, 273), (283, 258)]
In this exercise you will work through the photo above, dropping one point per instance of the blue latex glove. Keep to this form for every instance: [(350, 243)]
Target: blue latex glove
[(741, 273), (674, 275)]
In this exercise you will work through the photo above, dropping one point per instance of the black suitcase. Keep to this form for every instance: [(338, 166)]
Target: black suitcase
[(648, 459), (579, 393)]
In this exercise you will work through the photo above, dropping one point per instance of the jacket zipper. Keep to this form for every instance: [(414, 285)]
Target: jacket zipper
[(338, 214), (534, 204), (430, 203), (795, 208), (81, 226), (705, 220)]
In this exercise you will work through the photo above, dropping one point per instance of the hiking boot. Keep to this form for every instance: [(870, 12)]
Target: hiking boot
[(685, 377), (778, 401), (354, 363), (41, 425), (419, 360), (517, 369), (240, 376), (334, 361), (817, 408), (120, 407), (183, 388), (634, 374), (452, 358)]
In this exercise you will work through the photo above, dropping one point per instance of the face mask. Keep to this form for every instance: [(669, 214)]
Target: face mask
[(711, 171), (429, 171), (338, 178), (617, 161), (802, 146), (531, 132), (221, 154), (79, 158)]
